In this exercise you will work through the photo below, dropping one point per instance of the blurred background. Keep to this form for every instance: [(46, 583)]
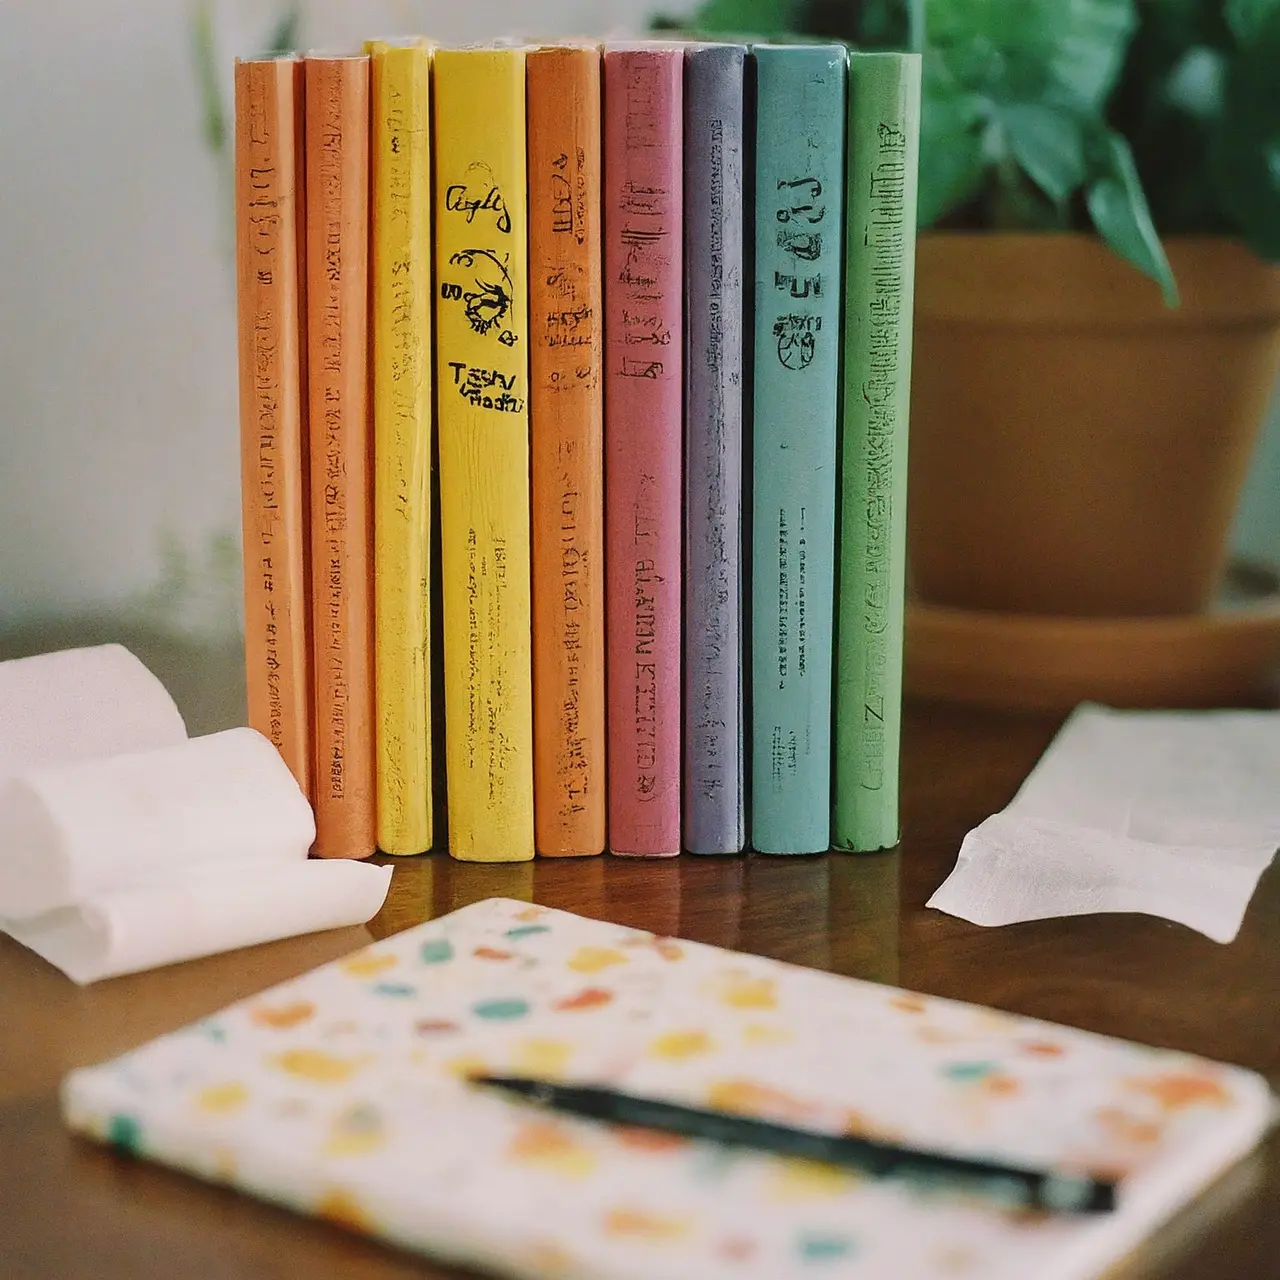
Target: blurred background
[(119, 464), (119, 502)]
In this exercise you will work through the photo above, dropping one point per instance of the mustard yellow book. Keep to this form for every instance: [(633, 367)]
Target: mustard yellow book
[(402, 406), (482, 372)]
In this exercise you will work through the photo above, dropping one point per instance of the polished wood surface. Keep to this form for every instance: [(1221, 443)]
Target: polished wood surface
[(69, 1209)]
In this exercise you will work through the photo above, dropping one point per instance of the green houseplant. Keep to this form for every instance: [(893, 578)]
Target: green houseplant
[(1098, 325)]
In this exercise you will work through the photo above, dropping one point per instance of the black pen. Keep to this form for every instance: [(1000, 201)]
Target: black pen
[(1043, 1189)]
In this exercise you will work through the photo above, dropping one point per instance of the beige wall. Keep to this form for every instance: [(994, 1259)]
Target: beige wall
[(119, 501)]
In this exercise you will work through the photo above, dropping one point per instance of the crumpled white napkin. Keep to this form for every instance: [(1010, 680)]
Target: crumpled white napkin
[(125, 845), (1171, 813)]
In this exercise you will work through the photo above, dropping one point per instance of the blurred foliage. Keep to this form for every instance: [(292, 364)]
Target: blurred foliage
[(1140, 118)]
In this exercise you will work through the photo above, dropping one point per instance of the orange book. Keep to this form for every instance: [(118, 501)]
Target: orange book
[(337, 159), (566, 408), (269, 275)]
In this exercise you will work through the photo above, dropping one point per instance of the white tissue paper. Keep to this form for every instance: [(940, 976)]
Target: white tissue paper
[(1173, 814), (124, 845)]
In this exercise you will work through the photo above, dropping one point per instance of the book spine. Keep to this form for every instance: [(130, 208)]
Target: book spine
[(337, 130), (644, 262), (402, 407), (273, 412), (566, 405), (884, 135), (714, 816), (482, 375), (799, 244)]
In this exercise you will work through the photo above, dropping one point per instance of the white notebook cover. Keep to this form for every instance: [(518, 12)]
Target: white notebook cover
[(341, 1095)]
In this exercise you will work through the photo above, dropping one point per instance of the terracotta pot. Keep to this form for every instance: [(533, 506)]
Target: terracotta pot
[(1077, 447)]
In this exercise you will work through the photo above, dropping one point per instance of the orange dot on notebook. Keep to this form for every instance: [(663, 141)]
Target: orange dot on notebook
[(588, 998), (283, 1016)]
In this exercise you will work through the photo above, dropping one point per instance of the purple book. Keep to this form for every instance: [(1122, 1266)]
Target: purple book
[(713, 639)]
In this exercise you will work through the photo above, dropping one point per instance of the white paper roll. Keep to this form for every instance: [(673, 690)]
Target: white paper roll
[(71, 832), (237, 905), (81, 704)]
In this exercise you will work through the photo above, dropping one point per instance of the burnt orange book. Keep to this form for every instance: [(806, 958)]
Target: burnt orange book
[(566, 408), (337, 163), (269, 275)]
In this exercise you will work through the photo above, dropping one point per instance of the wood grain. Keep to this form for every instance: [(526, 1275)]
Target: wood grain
[(71, 1210)]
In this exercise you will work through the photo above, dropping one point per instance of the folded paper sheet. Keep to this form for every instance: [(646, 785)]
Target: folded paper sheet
[(1173, 814), (125, 845)]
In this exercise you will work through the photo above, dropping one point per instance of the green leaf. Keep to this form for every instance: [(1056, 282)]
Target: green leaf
[(952, 161), (1247, 18), (756, 17), (1245, 144), (1077, 46), (1119, 211), (1048, 142), (213, 114), (284, 35)]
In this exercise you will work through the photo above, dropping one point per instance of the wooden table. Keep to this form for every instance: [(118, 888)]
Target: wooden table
[(69, 1209)]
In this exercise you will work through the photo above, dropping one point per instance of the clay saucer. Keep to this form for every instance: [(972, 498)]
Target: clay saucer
[(1227, 656)]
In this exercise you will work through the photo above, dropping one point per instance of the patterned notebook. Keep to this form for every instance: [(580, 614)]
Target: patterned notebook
[(341, 1094)]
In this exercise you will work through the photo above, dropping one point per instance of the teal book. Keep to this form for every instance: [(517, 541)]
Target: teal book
[(883, 159), (800, 116)]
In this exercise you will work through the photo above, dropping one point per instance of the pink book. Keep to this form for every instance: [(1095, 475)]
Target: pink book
[(643, 430)]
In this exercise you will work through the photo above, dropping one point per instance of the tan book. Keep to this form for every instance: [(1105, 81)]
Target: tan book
[(273, 406), (337, 160)]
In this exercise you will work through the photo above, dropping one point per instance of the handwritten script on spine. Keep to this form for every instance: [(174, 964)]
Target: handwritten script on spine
[(647, 223), (884, 322), (268, 215)]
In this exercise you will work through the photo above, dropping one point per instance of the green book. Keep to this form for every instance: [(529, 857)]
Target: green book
[(884, 142), (799, 237)]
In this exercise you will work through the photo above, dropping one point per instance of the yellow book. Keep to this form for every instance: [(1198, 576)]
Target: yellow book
[(482, 372), (402, 404)]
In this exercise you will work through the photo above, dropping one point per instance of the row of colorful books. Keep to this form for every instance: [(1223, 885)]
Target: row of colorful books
[(516, 428)]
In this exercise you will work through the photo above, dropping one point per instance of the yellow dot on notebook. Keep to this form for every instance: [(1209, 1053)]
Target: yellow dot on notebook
[(317, 1066), (551, 1259), (641, 1224), (467, 1064), (541, 1056), (368, 964), (595, 959), (677, 1046), (763, 1033), (343, 1208), (750, 993), (221, 1099), (801, 1180)]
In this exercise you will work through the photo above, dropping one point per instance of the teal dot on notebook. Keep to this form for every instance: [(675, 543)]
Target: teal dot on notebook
[(964, 1072), (215, 1032), (124, 1132), (399, 990), (821, 1247), (501, 1010), (437, 951), (527, 930)]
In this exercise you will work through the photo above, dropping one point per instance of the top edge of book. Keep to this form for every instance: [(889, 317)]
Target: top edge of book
[(335, 55), (645, 46), (709, 46), (377, 43), (828, 48), (865, 56)]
